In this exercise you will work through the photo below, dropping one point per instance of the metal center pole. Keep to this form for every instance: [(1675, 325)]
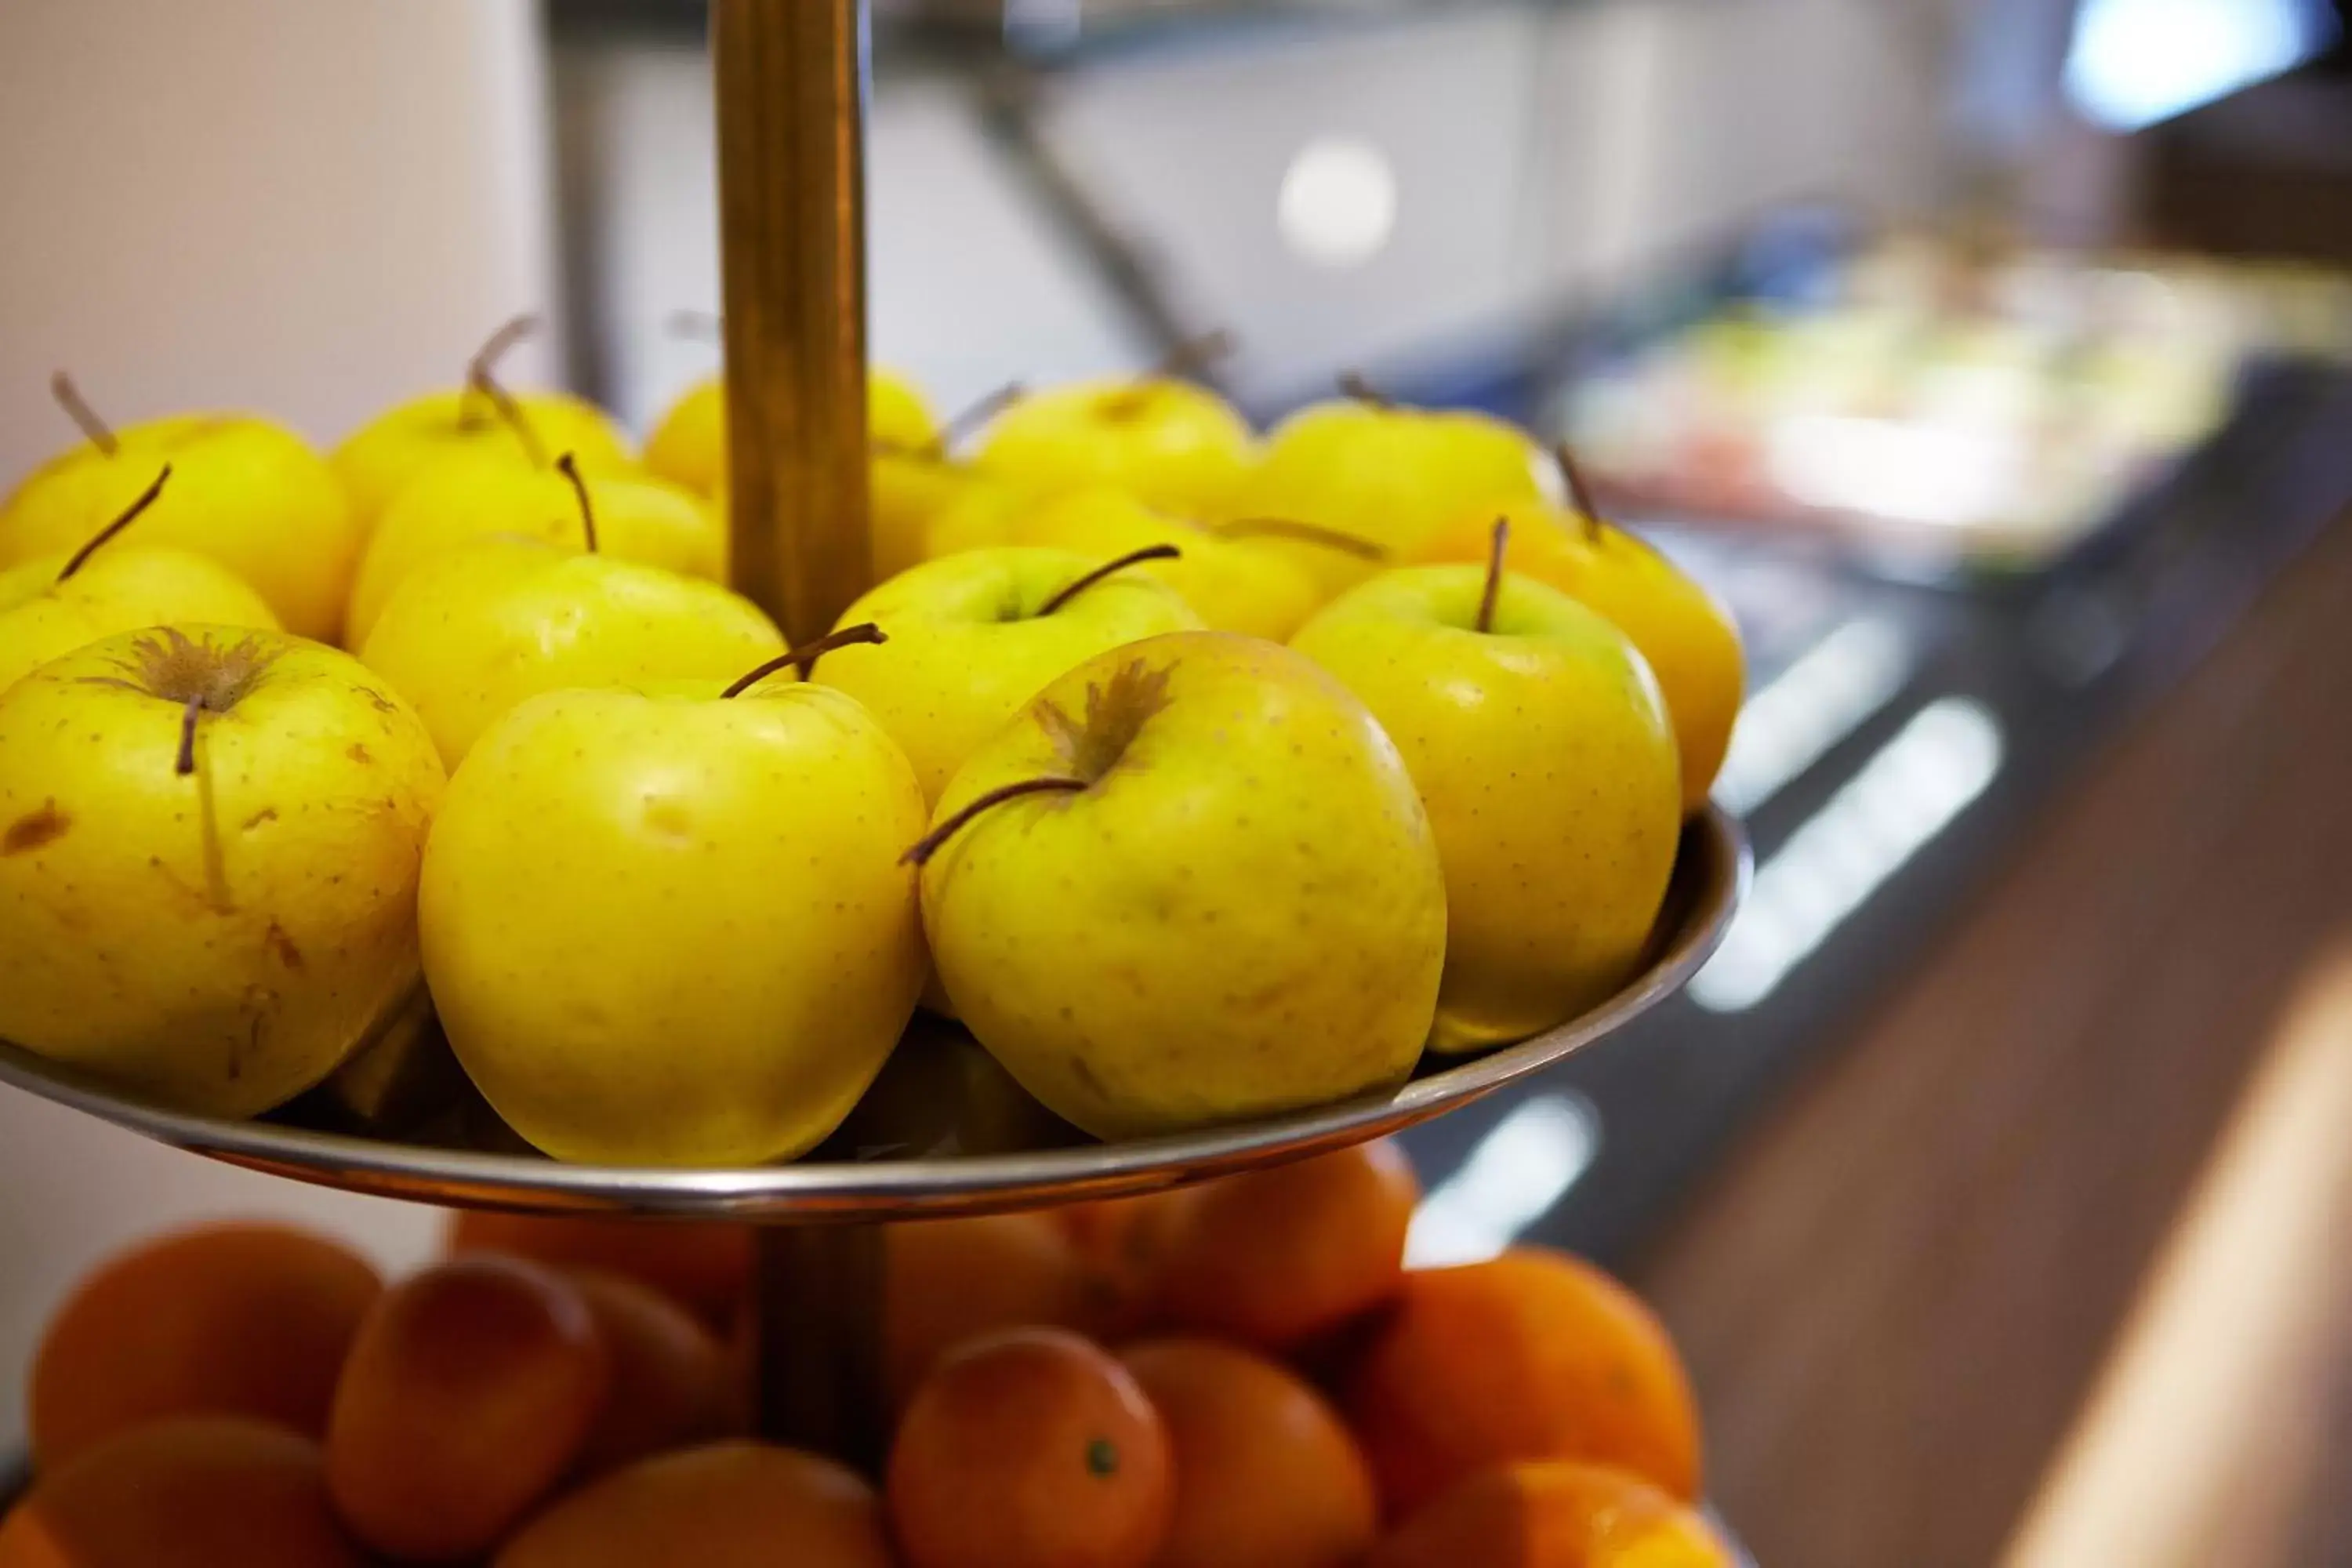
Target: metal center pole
[(791, 89)]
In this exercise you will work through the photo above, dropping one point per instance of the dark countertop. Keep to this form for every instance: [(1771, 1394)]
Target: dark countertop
[(1864, 855)]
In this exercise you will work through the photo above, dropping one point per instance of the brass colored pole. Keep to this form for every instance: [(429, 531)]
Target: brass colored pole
[(791, 84)]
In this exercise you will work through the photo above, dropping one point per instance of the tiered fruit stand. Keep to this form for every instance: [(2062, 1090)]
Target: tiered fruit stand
[(791, 78)]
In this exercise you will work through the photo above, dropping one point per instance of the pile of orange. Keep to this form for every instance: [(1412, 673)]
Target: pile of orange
[(1239, 1375)]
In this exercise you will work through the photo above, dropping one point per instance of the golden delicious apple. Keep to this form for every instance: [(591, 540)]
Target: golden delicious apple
[(974, 635), (1541, 748), (472, 634), (52, 605), (1236, 586), (1386, 474), (244, 492), (664, 927), (1686, 635), (1190, 883), (469, 495), (376, 461), (209, 840), (689, 444), (1174, 445)]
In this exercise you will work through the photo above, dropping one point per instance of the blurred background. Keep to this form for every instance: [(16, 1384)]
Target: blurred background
[(1993, 360)]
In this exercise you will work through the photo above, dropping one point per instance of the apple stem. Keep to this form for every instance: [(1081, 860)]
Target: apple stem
[(78, 409), (186, 763), (1493, 574), (1132, 558), (931, 843), (1356, 385), (1194, 353), (1580, 494), (569, 466), (1290, 528), (804, 656), (482, 379), (509, 411), (970, 418), (696, 326), (129, 515)]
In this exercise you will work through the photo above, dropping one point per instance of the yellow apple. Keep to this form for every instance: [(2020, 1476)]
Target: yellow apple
[(1682, 631), (1540, 746), (209, 841), (1168, 442), (976, 513), (1386, 474), (244, 492), (468, 496), (376, 461), (1233, 586), (52, 605), (1218, 898), (974, 635), (472, 634), (688, 444), (667, 928)]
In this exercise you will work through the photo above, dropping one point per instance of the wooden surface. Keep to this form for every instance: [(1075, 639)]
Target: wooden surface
[(2215, 1435), (1896, 1296)]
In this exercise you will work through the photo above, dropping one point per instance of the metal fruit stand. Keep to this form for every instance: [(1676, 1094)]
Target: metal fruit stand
[(792, 90)]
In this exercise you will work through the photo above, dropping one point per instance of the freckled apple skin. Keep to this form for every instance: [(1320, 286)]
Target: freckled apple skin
[(1244, 915), (663, 929), (217, 942), (1545, 759)]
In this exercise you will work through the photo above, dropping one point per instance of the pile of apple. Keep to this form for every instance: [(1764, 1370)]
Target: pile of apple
[(1202, 777)]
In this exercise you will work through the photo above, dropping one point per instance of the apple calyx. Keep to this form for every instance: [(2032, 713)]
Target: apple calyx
[(1356, 385), (129, 515), (1132, 558), (1502, 540), (96, 430), (569, 466), (804, 656), (1306, 533), (1580, 494), (199, 677), (920, 852)]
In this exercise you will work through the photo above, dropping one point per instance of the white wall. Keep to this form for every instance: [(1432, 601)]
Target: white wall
[(308, 207)]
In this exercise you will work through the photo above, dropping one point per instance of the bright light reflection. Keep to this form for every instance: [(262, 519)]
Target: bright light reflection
[(1911, 790), (1339, 202), (1819, 700), (1938, 474), (1511, 1179), (2136, 62)]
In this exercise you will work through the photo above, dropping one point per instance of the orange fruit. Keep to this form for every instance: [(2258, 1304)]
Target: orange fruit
[(704, 1263), (728, 1505), (1275, 1257), (1266, 1475), (249, 1319), (1119, 1244), (1030, 1449), (1533, 1355), (949, 1280), (672, 1384), (469, 1392), (1554, 1513), (187, 1491)]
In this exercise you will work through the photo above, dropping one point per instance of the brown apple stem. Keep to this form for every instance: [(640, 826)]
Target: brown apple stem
[(78, 409), (481, 371), (569, 466), (186, 763), (1493, 574), (129, 515), (968, 419), (696, 326), (1308, 532), (511, 412), (1580, 494), (1355, 384), (1132, 558), (931, 843), (804, 656)]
